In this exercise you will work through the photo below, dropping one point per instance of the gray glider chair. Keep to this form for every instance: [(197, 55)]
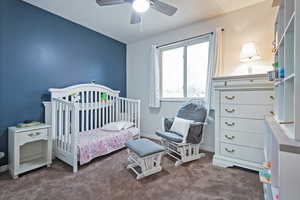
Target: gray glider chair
[(173, 142)]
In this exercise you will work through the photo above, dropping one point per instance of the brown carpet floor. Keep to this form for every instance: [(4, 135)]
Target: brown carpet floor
[(107, 179)]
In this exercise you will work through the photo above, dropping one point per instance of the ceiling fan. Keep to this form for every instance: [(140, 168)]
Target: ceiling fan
[(141, 6)]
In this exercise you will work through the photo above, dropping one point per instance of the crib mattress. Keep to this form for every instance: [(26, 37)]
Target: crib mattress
[(97, 142)]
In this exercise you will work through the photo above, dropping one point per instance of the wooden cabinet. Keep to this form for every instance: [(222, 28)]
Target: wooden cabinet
[(241, 104), (29, 148)]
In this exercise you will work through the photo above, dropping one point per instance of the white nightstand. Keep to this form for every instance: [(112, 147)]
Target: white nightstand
[(29, 148)]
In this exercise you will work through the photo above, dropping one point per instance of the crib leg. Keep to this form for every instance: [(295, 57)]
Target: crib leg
[(178, 163), (75, 168)]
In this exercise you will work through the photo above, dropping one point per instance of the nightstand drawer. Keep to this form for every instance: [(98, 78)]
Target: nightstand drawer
[(243, 138), (246, 97), (243, 153), (246, 111), (31, 136)]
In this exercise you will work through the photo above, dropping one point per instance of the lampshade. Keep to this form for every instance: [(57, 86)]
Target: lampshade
[(249, 52)]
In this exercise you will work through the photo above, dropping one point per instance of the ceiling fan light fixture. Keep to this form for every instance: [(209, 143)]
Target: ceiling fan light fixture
[(141, 6)]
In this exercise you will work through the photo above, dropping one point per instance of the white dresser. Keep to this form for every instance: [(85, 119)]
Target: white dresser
[(241, 104)]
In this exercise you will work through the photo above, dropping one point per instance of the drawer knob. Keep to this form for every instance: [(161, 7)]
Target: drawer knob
[(229, 137), (230, 98), (272, 113), (272, 97), (230, 124), (229, 151), (34, 134), (230, 111)]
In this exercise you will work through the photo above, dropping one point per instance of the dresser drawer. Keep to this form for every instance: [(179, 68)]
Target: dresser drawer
[(246, 111), (31, 136), (263, 97), (243, 138), (247, 125), (243, 153)]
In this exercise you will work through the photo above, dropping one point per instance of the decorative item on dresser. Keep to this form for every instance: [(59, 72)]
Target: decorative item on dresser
[(29, 148), (241, 103)]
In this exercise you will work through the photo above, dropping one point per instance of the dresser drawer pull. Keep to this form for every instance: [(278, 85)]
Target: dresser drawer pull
[(229, 137), (230, 124), (272, 97), (272, 113), (34, 134), (229, 151), (230, 111), (230, 98)]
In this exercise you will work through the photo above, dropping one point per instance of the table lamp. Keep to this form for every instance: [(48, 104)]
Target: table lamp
[(248, 54)]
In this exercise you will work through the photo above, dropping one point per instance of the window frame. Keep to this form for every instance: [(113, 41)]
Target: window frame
[(184, 44)]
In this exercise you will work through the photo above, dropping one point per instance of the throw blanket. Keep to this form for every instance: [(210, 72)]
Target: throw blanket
[(97, 142)]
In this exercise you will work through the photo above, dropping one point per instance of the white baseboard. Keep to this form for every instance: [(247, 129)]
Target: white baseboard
[(3, 168)]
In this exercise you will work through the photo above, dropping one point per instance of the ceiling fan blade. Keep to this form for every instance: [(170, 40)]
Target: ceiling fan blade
[(135, 18), (110, 2), (163, 7)]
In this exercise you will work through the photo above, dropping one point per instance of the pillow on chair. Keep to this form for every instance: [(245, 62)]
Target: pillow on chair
[(181, 127)]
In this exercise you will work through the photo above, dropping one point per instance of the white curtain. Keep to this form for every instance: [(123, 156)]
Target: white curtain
[(215, 64), (154, 84)]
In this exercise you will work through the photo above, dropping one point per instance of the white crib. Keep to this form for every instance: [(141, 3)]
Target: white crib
[(81, 108)]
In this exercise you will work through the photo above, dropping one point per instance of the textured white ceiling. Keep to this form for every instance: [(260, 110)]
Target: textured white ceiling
[(113, 21)]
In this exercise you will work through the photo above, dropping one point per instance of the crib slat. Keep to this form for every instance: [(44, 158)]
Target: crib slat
[(53, 119), (69, 125), (124, 110), (96, 111), (127, 111), (131, 111), (88, 110), (102, 112), (66, 126), (60, 125), (106, 112), (92, 118), (135, 115), (110, 109), (91, 111), (113, 109), (117, 109)]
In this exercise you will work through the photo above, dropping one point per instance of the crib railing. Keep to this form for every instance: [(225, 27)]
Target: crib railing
[(64, 128), (128, 110), (70, 118)]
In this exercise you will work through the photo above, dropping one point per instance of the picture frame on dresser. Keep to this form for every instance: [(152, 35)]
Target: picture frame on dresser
[(241, 103)]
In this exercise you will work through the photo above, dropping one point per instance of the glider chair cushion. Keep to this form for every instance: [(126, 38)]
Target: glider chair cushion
[(170, 136)]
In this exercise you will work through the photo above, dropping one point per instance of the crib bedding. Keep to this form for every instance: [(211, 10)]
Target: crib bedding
[(97, 142)]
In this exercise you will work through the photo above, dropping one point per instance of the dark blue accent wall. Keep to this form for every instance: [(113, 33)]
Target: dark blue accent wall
[(38, 51)]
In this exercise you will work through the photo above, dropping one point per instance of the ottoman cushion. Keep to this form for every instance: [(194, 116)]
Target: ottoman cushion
[(144, 147)]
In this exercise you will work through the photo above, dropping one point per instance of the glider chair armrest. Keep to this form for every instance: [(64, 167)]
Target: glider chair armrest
[(194, 124), (167, 123), (195, 132)]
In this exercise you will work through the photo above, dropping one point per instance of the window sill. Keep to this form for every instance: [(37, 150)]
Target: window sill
[(178, 99)]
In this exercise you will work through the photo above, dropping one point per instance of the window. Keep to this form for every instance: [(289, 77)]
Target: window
[(184, 68)]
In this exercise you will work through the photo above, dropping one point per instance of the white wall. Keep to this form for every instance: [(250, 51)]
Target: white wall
[(254, 23)]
